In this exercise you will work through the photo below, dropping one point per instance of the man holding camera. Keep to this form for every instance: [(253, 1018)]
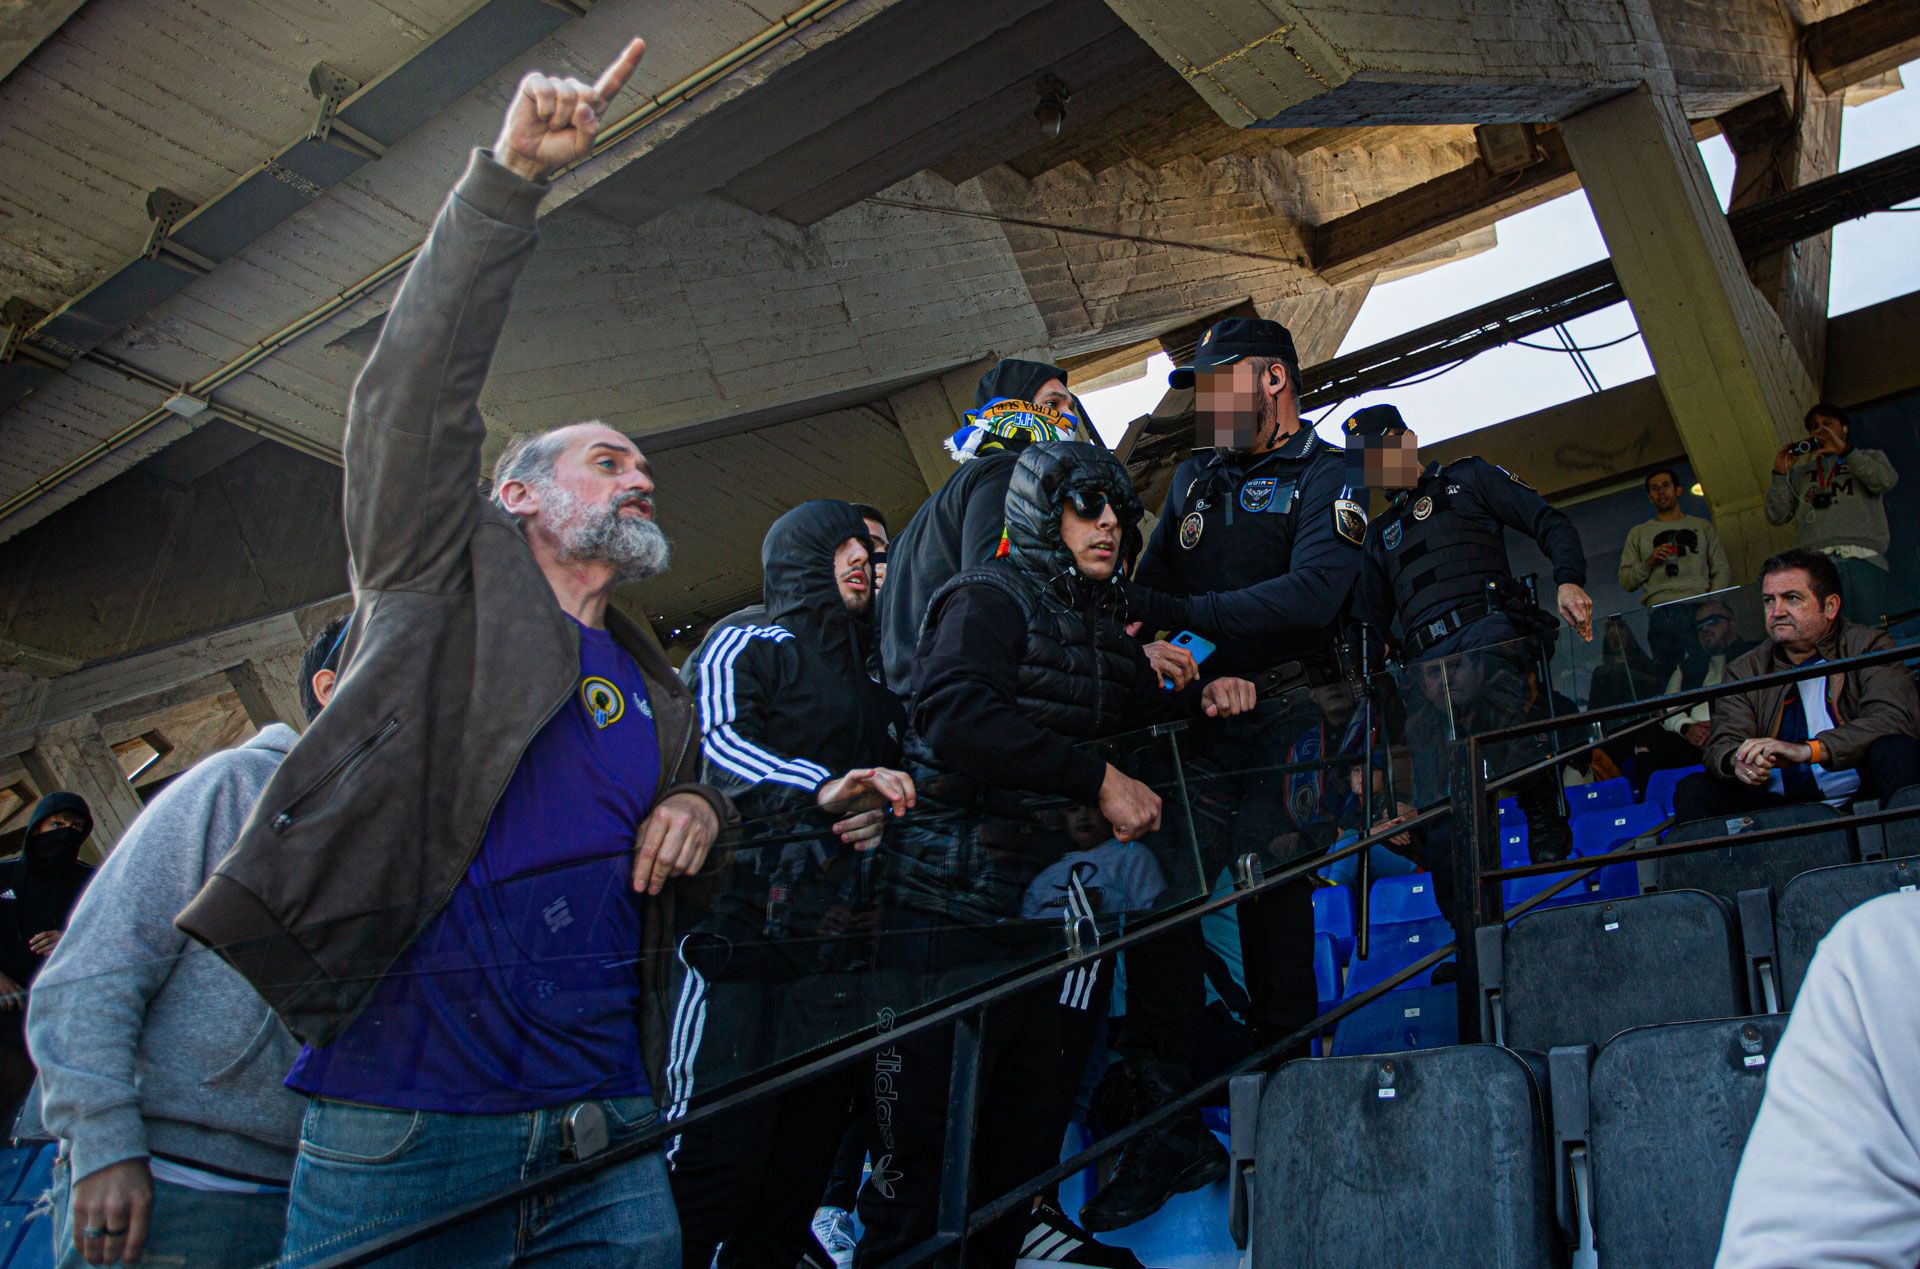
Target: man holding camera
[(1835, 494), (1671, 557)]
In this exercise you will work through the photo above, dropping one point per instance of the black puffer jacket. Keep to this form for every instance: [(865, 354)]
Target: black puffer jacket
[(1022, 661)]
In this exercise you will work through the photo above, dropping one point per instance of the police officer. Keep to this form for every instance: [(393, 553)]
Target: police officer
[(1258, 551), (1437, 570)]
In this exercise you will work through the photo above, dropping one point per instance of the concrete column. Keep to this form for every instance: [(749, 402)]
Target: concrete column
[(1733, 382), (927, 414), (75, 756), (269, 690), (1776, 150)]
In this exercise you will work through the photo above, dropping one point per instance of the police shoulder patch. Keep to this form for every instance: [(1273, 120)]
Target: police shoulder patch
[(1349, 520), (1390, 536)]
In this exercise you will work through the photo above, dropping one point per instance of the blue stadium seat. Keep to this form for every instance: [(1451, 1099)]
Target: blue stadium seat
[(1392, 949), (1397, 900), (1513, 834), (1661, 784), (1401, 1021), (25, 1242), (14, 1164), (1333, 915), (1594, 833), (1326, 971), (1602, 795), (37, 1176)]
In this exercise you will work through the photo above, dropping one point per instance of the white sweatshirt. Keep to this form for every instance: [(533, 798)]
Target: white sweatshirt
[(1831, 1173)]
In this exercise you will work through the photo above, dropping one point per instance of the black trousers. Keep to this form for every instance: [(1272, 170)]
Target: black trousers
[(746, 1183), (1891, 764), (1241, 811), (1034, 1048)]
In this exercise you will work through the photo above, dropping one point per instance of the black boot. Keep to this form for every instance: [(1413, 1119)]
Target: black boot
[(1158, 1165)]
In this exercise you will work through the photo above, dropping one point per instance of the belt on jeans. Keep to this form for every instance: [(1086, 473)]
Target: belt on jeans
[(1428, 633)]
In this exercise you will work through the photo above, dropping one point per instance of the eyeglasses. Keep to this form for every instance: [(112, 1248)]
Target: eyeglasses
[(1088, 503), (1707, 623)]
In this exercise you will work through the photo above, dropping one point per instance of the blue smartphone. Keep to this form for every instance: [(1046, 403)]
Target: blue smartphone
[(1200, 649)]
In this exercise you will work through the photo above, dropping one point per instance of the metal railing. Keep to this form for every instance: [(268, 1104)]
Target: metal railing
[(1477, 901)]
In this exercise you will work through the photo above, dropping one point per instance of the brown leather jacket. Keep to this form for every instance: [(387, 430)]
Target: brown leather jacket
[(1866, 704), (458, 654)]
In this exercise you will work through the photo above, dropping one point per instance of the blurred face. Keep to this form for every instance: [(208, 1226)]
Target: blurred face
[(1236, 407), (1662, 492), (1796, 619), (1094, 539), (852, 577), (1713, 625), (878, 563), (1387, 462)]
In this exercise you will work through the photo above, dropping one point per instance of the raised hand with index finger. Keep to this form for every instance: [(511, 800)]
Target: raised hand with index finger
[(552, 120)]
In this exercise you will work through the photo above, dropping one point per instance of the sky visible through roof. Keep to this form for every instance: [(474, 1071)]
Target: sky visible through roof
[(1874, 259)]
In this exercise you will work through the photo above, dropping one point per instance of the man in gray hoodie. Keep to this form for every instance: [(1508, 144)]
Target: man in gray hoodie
[(161, 1068)]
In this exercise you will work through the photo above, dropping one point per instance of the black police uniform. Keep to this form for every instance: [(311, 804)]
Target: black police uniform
[(1436, 564), (1258, 554)]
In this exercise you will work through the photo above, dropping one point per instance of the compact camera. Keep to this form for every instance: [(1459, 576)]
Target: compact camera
[(1800, 449)]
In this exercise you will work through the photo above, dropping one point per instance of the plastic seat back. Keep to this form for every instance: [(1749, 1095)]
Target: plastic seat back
[(1670, 1110), (1731, 869), (1583, 974), (1814, 901), (1433, 1158), (1401, 1021)]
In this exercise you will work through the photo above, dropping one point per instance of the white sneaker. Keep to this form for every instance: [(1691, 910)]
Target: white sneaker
[(833, 1227)]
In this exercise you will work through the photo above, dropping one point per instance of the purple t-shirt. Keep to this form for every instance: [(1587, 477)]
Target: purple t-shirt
[(524, 992)]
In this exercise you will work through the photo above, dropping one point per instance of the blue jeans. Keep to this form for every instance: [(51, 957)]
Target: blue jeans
[(364, 1171), (191, 1228)]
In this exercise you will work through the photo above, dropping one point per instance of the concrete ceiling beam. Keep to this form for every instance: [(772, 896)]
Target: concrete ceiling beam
[(1867, 40), (1439, 211)]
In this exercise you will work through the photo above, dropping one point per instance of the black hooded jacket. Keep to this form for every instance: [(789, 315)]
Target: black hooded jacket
[(788, 704), (957, 528), (39, 887), (1023, 658)]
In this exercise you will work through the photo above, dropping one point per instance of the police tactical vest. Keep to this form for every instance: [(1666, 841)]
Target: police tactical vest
[(1440, 549)]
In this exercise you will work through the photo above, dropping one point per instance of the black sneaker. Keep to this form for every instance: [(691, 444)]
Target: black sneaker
[(1155, 1167), (1054, 1240)]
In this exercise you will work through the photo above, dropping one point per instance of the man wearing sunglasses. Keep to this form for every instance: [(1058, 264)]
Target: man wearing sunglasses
[(1024, 660), (1258, 551)]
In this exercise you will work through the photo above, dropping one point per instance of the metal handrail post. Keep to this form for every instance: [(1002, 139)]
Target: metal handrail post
[(1475, 901), (956, 1156)]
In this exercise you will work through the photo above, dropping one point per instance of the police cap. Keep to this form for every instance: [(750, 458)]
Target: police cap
[(1375, 420), (1234, 338)]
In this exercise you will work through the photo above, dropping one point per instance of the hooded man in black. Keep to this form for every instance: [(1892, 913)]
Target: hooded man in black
[(959, 526), (1023, 660), (796, 731), (38, 889)]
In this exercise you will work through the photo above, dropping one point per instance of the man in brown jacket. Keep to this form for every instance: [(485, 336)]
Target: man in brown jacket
[(1833, 739), (451, 891)]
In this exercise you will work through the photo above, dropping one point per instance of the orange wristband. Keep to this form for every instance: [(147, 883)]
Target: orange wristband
[(1817, 752)]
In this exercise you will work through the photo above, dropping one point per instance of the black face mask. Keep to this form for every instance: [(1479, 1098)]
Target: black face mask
[(55, 846)]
